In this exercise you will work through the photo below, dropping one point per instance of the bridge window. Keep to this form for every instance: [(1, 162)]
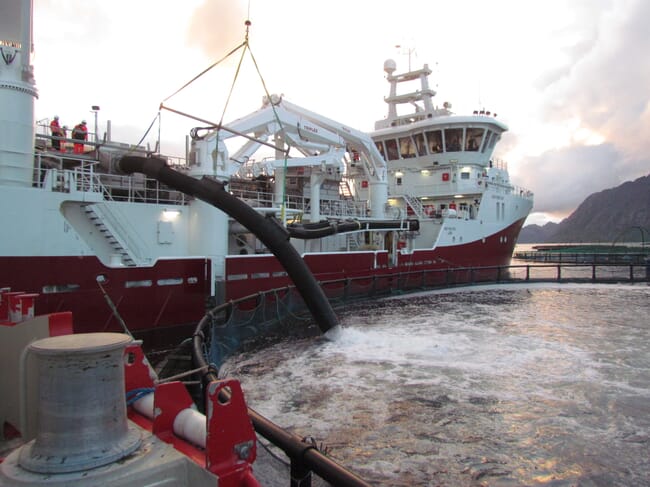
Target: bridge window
[(486, 142), (406, 147), (464, 175), (453, 140), (495, 138), (474, 137), (420, 145), (391, 150), (380, 148), (434, 140)]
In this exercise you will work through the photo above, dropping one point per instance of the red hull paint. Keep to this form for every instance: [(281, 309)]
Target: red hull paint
[(252, 274), (168, 294), (170, 297)]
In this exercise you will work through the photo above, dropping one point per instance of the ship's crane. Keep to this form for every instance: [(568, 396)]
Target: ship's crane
[(282, 125)]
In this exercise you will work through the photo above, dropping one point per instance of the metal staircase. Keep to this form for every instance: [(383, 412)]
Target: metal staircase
[(415, 204), (352, 242), (344, 189), (98, 215)]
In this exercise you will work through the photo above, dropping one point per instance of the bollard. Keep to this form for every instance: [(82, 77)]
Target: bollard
[(82, 420)]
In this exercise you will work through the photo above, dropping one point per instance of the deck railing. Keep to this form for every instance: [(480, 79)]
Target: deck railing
[(613, 257), (81, 173)]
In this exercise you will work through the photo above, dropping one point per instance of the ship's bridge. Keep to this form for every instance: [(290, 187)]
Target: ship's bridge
[(440, 141), (442, 157)]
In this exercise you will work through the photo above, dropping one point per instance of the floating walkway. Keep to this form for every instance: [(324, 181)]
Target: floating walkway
[(591, 254)]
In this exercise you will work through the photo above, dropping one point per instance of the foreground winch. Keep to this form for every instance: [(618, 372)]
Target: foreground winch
[(84, 438)]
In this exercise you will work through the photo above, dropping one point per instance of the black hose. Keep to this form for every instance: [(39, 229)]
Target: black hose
[(321, 229), (267, 229)]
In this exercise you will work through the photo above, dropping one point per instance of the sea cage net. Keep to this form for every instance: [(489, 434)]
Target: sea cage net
[(259, 319), (254, 320)]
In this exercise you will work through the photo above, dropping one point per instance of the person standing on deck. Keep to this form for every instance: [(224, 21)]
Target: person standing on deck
[(79, 133), (64, 130), (57, 133)]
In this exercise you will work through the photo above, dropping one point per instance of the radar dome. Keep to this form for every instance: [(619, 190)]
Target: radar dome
[(389, 66)]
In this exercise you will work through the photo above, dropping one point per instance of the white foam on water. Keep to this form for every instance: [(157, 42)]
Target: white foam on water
[(555, 365)]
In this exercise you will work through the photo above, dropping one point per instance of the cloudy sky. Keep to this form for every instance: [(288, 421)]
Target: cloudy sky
[(569, 77)]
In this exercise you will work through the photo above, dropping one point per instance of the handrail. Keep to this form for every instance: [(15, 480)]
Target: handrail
[(333, 207), (87, 177), (122, 230), (611, 257)]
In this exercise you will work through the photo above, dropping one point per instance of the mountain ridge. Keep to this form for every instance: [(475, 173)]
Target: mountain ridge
[(621, 213)]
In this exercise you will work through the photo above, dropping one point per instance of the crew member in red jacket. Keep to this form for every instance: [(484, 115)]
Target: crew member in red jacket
[(79, 134), (57, 133)]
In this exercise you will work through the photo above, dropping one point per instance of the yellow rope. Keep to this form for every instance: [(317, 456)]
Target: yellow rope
[(246, 47), (205, 71), (286, 152)]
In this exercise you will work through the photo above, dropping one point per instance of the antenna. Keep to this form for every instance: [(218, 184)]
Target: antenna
[(406, 50)]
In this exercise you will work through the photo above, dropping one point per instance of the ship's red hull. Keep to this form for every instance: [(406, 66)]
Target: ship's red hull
[(167, 295), (252, 274), (170, 297)]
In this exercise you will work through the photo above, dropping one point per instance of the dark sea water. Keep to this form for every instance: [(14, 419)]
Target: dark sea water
[(498, 386)]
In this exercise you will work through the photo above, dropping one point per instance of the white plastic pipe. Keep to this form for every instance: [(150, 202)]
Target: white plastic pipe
[(189, 424)]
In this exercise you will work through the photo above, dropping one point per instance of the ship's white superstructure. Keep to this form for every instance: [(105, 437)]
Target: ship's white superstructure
[(424, 191)]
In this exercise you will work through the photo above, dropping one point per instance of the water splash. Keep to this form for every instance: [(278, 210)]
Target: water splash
[(497, 386)]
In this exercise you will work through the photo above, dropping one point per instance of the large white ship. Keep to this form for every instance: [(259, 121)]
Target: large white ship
[(421, 192)]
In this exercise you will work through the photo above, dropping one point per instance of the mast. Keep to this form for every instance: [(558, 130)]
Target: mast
[(17, 94), (420, 99)]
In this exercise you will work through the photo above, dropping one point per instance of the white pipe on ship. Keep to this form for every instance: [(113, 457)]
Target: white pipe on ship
[(189, 424)]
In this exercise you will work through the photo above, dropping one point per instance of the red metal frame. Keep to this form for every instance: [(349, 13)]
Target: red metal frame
[(228, 420), (230, 443)]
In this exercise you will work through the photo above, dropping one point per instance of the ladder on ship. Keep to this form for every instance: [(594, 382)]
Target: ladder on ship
[(352, 242), (415, 204), (97, 217), (344, 190)]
